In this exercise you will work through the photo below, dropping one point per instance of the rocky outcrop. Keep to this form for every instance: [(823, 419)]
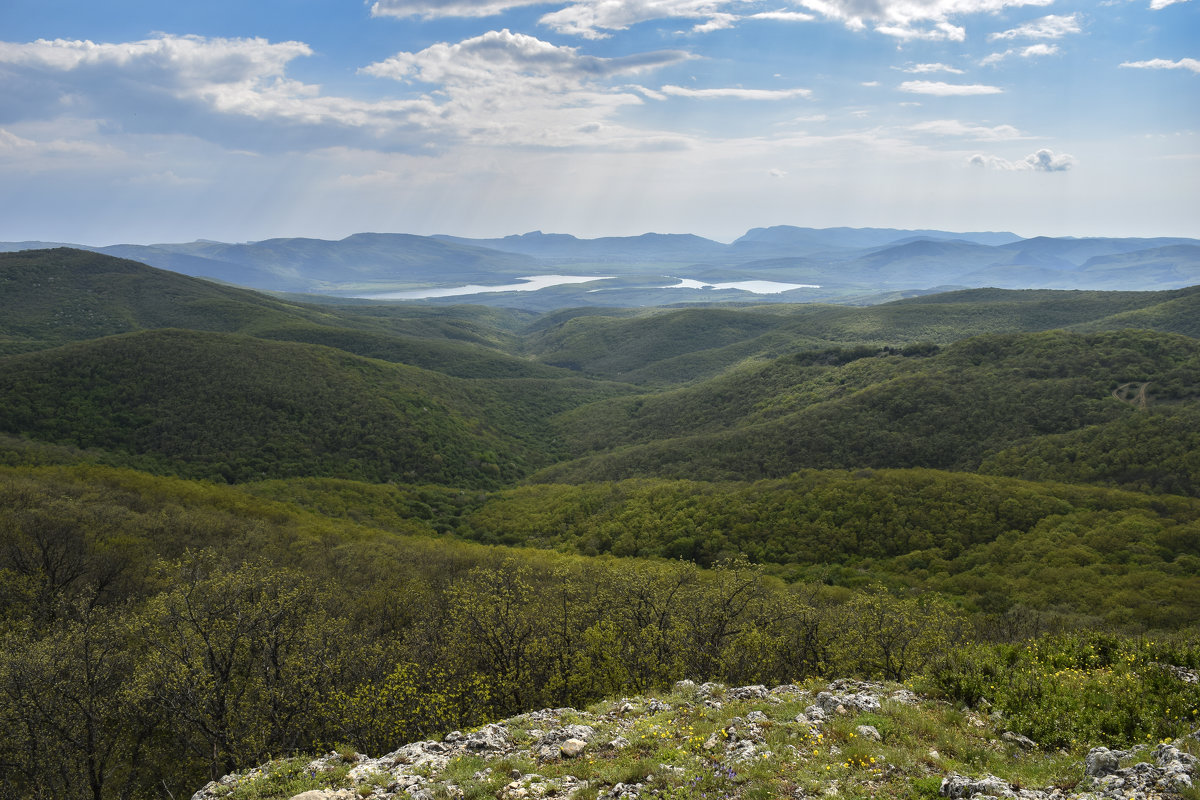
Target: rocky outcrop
[(746, 726), (1166, 775)]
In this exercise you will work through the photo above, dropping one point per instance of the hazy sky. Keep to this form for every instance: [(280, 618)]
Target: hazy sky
[(165, 120)]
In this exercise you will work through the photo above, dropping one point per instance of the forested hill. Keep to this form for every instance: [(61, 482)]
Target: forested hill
[(236, 526), (861, 407), (475, 396)]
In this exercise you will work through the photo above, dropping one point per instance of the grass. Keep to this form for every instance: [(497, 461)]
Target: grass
[(286, 778), (679, 753)]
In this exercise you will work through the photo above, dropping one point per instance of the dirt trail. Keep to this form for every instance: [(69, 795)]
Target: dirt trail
[(1132, 393)]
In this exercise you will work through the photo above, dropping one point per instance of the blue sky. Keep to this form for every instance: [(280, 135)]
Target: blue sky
[(138, 121)]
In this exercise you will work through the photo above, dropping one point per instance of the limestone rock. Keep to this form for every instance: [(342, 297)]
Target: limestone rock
[(550, 744), (1101, 761), (758, 692), (868, 732), (960, 786), (572, 748)]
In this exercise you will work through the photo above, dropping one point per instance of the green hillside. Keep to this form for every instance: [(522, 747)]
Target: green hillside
[(1155, 451), (51, 297), (990, 542), (663, 347), (879, 408), (237, 408), (235, 527)]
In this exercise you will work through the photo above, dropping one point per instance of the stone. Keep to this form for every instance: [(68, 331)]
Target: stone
[(1101, 761), (549, 745), (572, 748), (960, 786), (489, 738), (868, 732), (741, 751)]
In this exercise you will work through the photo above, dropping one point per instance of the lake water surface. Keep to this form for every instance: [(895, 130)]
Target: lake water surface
[(757, 287), (529, 283), (532, 283)]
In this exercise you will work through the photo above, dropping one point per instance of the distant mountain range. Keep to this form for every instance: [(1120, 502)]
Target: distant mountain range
[(834, 264)]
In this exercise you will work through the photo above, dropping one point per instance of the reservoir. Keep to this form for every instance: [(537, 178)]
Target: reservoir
[(529, 284)]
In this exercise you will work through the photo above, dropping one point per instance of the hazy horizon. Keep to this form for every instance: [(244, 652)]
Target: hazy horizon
[(145, 123)]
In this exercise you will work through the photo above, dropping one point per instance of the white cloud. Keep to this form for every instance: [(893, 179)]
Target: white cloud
[(920, 69), (941, 31), (870, 84), (776, 173), (953, 127), (1158, 5), (1039, 50), (506, 57), (1031, 51), (1041, 161), (716, 22), (948, 89), (1053, 26), (498, 88), (440, 8), (592, 18), (737, 93), (911, 19), (783, 16), (503, 87), (206, 87), (595, 19), (1162, 63)]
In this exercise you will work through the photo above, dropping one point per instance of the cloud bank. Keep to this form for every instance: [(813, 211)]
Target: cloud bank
[(1041, 161), (1191, 64), (941, 89)]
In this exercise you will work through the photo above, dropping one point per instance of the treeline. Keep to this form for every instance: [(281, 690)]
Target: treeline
[(133, 665), (1129, 559), (158, 632)]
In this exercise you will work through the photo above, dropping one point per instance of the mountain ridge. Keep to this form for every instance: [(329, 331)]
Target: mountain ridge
[(801, 264)]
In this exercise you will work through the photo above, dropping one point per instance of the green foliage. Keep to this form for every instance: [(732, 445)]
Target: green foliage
[(1155, 451), (1078, 690), (284, 779), (235, 408), (405, 705), (994, 543), (159, 631), (948, 411)]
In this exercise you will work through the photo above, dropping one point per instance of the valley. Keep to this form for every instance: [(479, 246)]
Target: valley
[(237, 525)]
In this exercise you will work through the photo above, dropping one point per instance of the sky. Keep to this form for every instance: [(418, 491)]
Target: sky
[(141, 121)]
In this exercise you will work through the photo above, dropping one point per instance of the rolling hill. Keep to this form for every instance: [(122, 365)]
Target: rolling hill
[(836, 265), (236, 408), (862, 407)]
